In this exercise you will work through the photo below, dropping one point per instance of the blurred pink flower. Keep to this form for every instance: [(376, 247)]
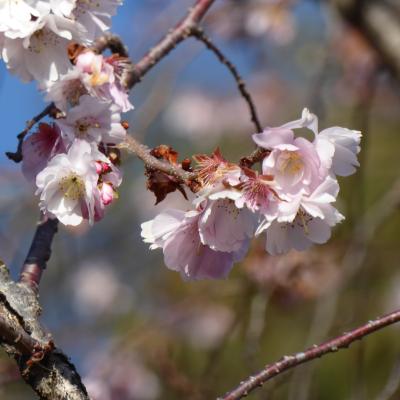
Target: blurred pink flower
[(39, 148)]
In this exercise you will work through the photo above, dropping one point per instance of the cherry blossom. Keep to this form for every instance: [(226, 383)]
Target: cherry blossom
[(16, 18), (299, 235), (93, 74), (47, 39), (225, 227), (68, 185), (177, 233), (66, 91), (295, 163), (95, 15), (304, 220), (93, 120)]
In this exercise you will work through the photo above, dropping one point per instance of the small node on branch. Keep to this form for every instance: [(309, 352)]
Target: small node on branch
[(111, 42)]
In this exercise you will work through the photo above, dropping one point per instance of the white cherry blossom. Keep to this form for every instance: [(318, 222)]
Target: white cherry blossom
[(94, 121), (95, 15), (68, 185), (42, 53)]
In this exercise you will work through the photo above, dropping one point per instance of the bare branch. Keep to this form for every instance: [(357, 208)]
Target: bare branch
[(143, 153), (175, 36), (45, 368), (199, 34), (111, 42), (288, 362)]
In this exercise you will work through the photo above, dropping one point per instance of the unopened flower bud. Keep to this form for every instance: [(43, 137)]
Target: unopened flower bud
[(106, 193)]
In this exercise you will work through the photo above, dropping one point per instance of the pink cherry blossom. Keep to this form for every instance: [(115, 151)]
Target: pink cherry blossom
[(347, 146), (223, 226), (295, 163), (298, 235), (304, 220), (177, 233), (101, 77), (94, 121), (258, 194)]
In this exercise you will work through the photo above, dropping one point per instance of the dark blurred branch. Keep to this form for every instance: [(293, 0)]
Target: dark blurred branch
[(199, 34), (39, 252), (111, 42), (288, 362), (379, 21)]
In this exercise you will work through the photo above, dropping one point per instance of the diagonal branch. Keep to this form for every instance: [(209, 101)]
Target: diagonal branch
[(44, 367), (199, 34), (175, 36), (143, 153), (288, 362)]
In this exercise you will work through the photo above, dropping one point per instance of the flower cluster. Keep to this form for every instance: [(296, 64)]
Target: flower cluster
[(291, 200), (34, 34), (73, 161)]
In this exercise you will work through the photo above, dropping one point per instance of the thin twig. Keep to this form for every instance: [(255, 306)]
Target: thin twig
[(199, 34), (111, 42), (175, 36), (331, 346), (17, 156)]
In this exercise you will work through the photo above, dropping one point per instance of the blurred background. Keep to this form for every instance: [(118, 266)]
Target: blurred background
[(134, 329)]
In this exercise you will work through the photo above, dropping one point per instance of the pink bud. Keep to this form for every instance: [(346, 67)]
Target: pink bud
[(105, 167), (99, 167), (106, 193)]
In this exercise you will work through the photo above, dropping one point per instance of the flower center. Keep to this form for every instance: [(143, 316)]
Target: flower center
[(228, 206), (41, 39), (73, 91), (72, 187), (290, 162), (82, 126)]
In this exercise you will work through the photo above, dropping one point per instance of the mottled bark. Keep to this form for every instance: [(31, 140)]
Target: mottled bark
[(42, 365)]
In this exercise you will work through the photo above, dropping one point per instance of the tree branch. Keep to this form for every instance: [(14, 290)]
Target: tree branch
[(45, 368), (143, 153), (111, 42), (39, 252), (292, 361), (175, 36), (199, 34)]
